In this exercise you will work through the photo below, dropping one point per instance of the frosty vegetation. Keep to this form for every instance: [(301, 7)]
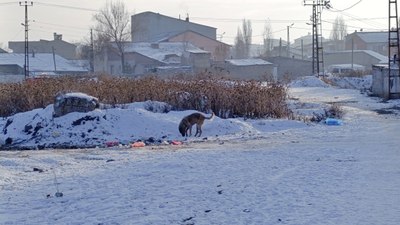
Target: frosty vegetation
[(227, 98)]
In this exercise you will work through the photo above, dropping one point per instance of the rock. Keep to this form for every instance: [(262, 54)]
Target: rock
[(157, 107), (74, 102), (8, 141)]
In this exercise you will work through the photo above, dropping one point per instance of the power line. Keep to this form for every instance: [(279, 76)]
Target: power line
[(342, 10), (373, 24), (66, 7), (234, 20), (7, 3), (63, 25)]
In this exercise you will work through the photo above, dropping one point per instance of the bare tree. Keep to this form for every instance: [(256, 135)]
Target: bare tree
[(243, 40), (268, 38), (113, 25), (339, 29), (239, 47)]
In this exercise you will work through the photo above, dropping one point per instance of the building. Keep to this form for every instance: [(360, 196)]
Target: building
[(219, 50), (374, 41), (365, 58), (291, 68), (250, 69), (147, 58), (12, 66), (58, 46), (302, 48), (151, 27), (154, 28)]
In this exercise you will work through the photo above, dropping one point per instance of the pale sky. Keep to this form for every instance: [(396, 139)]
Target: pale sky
[(64, 17)]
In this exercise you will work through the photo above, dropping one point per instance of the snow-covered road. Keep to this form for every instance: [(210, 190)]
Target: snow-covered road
[(319, 174)]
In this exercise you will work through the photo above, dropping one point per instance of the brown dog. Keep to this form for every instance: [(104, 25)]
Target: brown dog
[(187, 122)]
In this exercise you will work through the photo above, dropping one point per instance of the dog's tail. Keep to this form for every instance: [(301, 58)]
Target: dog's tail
[(210, 117)]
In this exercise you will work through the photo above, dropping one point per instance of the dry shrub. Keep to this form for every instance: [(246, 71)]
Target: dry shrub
[(202, 92), (335, 111)]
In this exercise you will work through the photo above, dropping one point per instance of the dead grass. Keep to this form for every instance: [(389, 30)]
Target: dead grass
[(226, 98)]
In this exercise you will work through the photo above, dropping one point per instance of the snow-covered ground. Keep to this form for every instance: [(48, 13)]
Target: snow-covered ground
[(246, 172)]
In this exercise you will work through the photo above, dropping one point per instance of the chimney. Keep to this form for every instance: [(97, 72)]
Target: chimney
[(187, 17), (57, 36)]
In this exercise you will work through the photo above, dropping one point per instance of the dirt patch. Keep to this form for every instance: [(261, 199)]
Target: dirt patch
[(387, 111)]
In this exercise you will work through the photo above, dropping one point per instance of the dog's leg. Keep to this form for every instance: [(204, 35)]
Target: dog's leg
[(190, 130), (198, 130)]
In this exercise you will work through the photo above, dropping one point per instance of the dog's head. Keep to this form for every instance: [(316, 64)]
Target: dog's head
[(182, 129)]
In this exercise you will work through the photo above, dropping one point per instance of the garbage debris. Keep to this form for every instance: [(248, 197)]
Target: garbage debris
[(333, 122), (176, 142), (138, 144), (112, 143)]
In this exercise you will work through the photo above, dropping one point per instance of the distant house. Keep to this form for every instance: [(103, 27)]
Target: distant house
[(304, 46), (12, 66), (365, 58), (60, 47), (146, 58), (374, 41), (250, 69), (291, 68), (151, 27), (154, 28), (219, 50)]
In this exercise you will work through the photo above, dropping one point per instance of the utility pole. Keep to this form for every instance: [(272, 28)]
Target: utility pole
[(91, 51), (288, 41), (26, 65), (394, 50), (317, 54), (54, 59)]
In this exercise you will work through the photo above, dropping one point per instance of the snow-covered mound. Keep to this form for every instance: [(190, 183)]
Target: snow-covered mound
[(308, 81), (38, 128), (360, 83)]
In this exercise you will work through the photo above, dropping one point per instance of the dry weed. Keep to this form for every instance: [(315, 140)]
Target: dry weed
[(202, 92)]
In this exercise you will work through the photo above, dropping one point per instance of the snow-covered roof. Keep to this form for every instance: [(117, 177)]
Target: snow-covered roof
[(347, 66), (380, 57), (248, 62), (163, 50), (41, 62), (373, 37)]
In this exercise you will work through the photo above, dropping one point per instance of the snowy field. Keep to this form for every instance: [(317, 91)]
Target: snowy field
[(244, 172)]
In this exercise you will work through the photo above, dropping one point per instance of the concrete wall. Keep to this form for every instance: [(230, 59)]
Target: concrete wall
[(11, 78), (381, 86), (253, 72), (289, 68), (11, 69)]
